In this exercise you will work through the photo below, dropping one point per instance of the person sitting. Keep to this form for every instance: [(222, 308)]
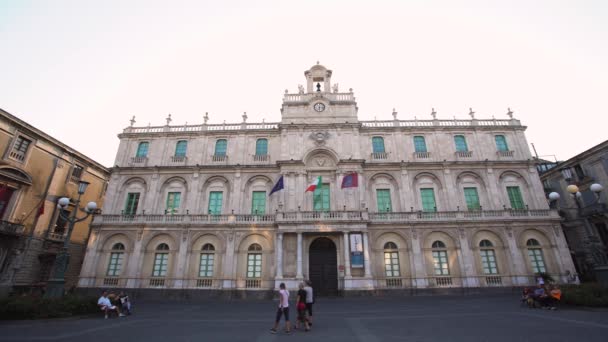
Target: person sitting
[(106, 306), (125, 303)]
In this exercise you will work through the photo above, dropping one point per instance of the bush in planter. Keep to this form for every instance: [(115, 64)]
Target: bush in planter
[(29, 307), (586, 294)]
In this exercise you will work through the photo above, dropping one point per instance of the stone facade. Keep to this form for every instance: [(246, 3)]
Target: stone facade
[(586, 220), (35, 171), (180, 196)]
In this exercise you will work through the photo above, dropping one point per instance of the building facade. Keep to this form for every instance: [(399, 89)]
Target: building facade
[(35, 171), (585, 214), (430, 203)]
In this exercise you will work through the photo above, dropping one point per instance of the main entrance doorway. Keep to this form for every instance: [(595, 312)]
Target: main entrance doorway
[(323, 267)]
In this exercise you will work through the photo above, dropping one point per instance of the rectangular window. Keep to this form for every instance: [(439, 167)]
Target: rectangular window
[(215, 202), (115, 265), (173, 202), (537, 261), (261, 147), (378, 144), (142, 149), (320, 198), (180, 148), (132, 203), (440, 263), (161, 260), (420, 144), (472, 198), (515, 197), (254, 265), (76, 173), (383, 197), (461, 143), (428, 200), (220, 147), (501, 143), (258, 205), (488, 261), (20, 148), (206, 266), (391, 264)]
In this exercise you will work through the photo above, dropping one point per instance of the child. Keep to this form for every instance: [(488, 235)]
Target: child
[(282, 310)]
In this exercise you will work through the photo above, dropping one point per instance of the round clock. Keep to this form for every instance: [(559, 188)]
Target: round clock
[(319, 107)]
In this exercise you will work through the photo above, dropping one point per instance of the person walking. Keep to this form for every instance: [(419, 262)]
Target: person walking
[(282, 310), (310, 299), (301, 307)]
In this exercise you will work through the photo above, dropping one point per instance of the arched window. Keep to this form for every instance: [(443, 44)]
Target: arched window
[(161, 260), (181, 148), (116, 257), (391, 260), (461, 143), (220, 147), (535, 254), (207, 261), (440, 258), (501, 143), (142, 149), (261, 147), (378, 145), (488, 257), (419, 144), (254, 261)]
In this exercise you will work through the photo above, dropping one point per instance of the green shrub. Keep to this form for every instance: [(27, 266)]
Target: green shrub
[(29, 307), (586, 294)]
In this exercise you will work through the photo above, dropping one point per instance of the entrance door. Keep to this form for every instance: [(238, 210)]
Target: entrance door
[(323, 267)]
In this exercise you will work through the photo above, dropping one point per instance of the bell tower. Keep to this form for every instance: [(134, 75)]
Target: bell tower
[(320, 101)]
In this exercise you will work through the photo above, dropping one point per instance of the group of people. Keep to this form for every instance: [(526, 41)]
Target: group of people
[(304, 302), (543, 296), (120, 304)]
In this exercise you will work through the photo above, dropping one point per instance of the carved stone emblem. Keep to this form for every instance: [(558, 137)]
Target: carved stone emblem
[(319, 138)]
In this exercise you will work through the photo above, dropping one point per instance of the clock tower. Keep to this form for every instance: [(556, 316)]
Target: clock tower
[(320, 102)]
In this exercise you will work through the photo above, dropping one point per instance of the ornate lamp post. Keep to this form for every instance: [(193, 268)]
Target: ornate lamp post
[(56, 284)]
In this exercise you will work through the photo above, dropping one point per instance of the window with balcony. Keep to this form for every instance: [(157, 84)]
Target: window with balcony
[(428, 200), (161, 261), (501, 143), (391, 260), (20, 148), (258, 202), (142, 149), (116, 257), (215, 202), (180, 148), (460, 143), (440, 258), (515, 197), (383, 198), (420, 144), (535, 254), (254, 261), (488, 257), (173, 202), (221, 146), (261, 147), (207, 260), (132, 203), (472, 198)]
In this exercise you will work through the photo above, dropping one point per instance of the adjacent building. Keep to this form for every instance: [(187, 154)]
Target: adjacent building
[(584, 210), (35, 171), (398, 204)]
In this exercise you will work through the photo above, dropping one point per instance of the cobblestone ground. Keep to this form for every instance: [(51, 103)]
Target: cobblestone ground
[(468, 318)]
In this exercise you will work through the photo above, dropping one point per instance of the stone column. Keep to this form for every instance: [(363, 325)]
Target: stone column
[(346, 257), (366, 263), (279, 252), (299, 258)]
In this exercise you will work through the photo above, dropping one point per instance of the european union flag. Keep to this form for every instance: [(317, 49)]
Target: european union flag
[(278, 186)]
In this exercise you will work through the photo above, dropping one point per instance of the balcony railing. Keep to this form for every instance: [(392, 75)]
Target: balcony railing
[(11, 228)]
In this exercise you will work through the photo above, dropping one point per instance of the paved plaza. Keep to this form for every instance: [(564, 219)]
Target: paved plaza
[(438, 318)]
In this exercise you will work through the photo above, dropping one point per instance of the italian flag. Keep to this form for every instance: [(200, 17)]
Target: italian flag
[(315, 184)]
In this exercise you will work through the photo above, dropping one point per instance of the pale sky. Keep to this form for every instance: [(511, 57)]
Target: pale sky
[(79, 70)]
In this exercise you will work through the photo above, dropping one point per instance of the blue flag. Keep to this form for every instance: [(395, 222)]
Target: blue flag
[(278, 186)]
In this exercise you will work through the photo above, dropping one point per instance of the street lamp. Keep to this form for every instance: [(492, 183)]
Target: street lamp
[(56, 284)]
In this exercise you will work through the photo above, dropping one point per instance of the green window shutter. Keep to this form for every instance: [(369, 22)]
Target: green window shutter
[(132, 203), (383, 197), (428, 200), (378, 145), (461, 143), (142, 149), (258, 205), (472, 198), (261, 147), (220, 147), (501, 143), (180, 148), (173, 202), (320, 198), (215, 202), (515, 197), (420, 144)]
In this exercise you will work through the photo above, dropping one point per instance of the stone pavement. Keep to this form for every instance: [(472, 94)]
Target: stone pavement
[(371, 319)]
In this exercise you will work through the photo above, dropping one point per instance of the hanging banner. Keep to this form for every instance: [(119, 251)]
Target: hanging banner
[(356, 250)]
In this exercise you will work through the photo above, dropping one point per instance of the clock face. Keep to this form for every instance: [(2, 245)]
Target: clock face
[(319, 107)]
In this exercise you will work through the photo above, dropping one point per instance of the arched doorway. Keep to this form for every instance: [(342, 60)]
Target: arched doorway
[(323, 267)]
